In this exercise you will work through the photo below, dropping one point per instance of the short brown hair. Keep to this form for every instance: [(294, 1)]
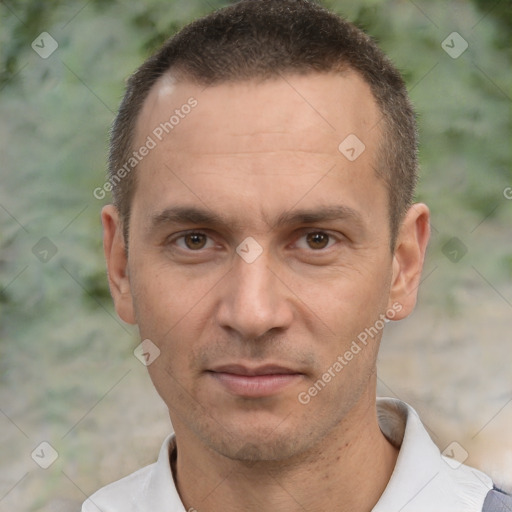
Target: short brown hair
[(260, 39)]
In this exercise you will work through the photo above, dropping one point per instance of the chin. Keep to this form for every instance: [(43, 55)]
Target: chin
[(254, 440), (254, 449)]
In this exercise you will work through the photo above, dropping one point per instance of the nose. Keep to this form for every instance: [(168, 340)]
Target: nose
[(255, 300)]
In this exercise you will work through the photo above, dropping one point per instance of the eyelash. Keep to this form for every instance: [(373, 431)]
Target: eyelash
[(188, 233), (332, 238)]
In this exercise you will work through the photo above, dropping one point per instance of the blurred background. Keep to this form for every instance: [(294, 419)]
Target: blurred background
[(68, 375)]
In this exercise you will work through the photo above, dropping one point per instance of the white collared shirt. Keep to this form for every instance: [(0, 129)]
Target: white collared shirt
[(423, 480)]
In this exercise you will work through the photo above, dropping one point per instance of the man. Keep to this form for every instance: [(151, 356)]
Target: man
[(263, 165)]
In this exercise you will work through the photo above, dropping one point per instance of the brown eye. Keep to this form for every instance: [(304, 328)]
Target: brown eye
[(195, 241), (317, 240)]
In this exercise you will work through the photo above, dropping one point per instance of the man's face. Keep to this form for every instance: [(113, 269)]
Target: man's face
[(256, 167)]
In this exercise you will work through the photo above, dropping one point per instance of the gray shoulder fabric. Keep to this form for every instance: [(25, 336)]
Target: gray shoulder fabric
[(497, 501)]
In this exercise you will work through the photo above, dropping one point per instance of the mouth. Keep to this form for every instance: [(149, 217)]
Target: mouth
[(254, 382)]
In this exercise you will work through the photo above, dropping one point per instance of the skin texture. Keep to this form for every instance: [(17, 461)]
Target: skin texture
[(248, 154)]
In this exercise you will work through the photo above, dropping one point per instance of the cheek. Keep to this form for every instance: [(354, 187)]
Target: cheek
[(345, 300), (174, 310), (347, 318), (171, 314), (166, 297)]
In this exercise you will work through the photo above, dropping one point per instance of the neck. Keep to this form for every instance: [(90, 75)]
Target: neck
[(347, 470)]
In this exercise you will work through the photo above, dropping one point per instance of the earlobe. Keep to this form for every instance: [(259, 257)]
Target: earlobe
[(117, 263), (408, 259)]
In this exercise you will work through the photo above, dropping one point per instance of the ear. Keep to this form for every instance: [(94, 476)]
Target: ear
[(408, 259), (117, 263)]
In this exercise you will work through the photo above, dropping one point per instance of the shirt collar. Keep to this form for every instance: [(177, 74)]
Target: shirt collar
[(161, 493), (423, 480)]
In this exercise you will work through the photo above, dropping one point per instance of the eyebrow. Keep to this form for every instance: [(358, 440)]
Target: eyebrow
[(320, 214), (203, 216), (185, 214)]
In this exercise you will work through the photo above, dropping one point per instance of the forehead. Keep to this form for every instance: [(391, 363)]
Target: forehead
[(264, 143), (323, 108)]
